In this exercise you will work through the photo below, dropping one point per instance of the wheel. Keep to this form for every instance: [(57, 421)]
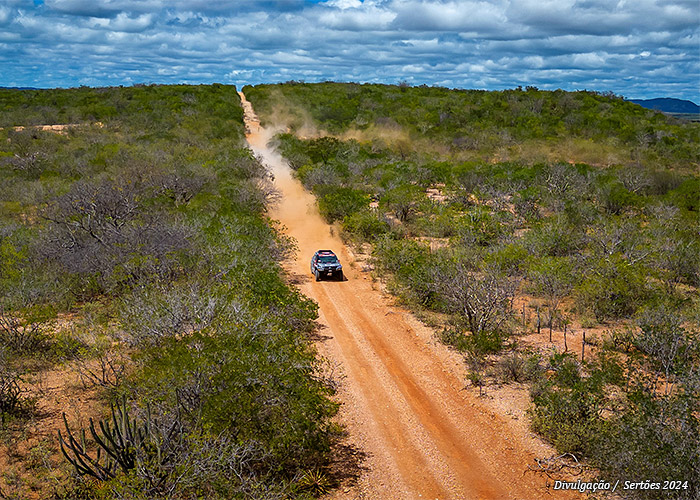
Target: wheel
[(318, 275), (341, 276)]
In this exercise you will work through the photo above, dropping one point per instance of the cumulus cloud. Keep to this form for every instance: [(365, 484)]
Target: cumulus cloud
[(356, 19), (480, 17), (101, 8), (123, 22), (4, 14), (638, 48)]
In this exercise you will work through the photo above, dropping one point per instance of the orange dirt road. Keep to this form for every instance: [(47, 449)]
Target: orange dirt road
[(403, 394)]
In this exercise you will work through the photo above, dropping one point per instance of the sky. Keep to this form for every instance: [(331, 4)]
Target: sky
[(634, 48)]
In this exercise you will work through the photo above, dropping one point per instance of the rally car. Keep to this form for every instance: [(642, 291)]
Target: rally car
[(325, 263)]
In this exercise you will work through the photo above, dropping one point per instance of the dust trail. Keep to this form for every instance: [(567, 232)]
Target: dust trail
[(297, 209), (402, 396)]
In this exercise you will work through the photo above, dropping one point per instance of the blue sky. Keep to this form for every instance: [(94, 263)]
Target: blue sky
[(635, 48)]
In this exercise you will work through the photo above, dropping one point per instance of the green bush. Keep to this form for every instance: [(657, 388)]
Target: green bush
[(567, 409), (479, 344), (435, 225), (510, 258), (15, 402), (569, 419), (613, 289), (412, 267), (687, 195), (365, 224), (515, 367), (653, 437), (249, 383), (478, 226), (554, 237), (336, 203), (615, 198), (24, 330)]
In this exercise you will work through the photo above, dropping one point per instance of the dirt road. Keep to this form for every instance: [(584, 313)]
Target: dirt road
[(403, 394)]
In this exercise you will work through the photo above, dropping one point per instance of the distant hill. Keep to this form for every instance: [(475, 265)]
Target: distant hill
[(668, 105)]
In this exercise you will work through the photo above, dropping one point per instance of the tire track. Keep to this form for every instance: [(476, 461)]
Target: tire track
[(414, 469), (470, 471)]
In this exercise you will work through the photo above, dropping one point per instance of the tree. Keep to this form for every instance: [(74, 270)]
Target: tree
[(482, 299), (669, 346), (101, 230), (179, 188), (553, 278), (402, 200), (97, 210)]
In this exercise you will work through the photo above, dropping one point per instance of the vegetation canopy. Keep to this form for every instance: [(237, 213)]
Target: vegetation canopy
[(136, 253)]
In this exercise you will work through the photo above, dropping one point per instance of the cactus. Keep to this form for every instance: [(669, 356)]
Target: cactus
[(119, 444), (11, 394)]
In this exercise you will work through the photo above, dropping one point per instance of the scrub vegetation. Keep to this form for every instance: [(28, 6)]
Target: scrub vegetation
[(136, 255), (496, 215)]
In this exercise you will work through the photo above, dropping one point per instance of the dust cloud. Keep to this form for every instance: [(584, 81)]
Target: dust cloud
[(296, 210)]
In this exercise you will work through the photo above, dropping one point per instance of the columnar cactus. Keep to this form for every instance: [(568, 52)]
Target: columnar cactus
[(119, 443)]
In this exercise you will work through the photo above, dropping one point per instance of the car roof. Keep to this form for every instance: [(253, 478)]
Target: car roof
[(325, 253)]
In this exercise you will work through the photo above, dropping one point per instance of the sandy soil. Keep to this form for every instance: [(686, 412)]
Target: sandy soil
[(31, 465), (59, 129), (404, 400)]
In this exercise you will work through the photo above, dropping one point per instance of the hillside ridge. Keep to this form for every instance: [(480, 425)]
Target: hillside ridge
[(668, 105)]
